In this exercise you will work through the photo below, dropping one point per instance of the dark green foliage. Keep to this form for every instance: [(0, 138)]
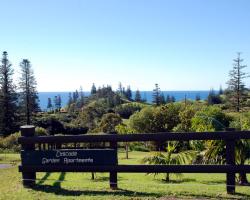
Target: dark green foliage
[(51, 124), (213, 98), (162, 99), (10, 142), (28, 100), (210, 118), (126, 110), (49, 104), (109, 121), (8, 98), (57, 102), (91, 114), (197, 97), (93, 89), (71, 129), (138, 96), (128, 93), (156, 95), (236, 91), (70, 99), (221, 91)]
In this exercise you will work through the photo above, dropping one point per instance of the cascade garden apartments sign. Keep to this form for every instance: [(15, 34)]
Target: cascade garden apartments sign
[(76, 157)]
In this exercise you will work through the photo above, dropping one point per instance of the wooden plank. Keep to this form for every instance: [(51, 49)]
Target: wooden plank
[(137, 137), (141, 168)]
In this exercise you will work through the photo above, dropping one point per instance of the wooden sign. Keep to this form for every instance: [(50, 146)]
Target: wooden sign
[(76, 157)]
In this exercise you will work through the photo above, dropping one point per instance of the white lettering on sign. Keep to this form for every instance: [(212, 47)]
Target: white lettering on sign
[(50, 161), (66, 153), (78, 160)]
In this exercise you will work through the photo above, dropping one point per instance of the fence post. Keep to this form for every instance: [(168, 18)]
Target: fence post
[(230, 160), (28, 177), (113, 175)]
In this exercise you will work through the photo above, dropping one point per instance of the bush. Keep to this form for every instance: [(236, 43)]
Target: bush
[(70, 129), (138, 146), (39, 131), (10, 142), (126, 110)]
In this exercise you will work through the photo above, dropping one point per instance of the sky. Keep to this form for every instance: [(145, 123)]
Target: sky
[(179, 44)]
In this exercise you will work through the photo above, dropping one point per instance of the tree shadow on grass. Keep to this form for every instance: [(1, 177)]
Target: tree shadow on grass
[(105, 179), (44, 178), (60, 179), (118, 192)]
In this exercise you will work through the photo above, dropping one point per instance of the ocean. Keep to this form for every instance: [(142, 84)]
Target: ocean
[(179, 95)]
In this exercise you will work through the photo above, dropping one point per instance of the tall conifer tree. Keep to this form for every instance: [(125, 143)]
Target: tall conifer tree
[(236, 86), (8, 98), (156, 95), (29, 101)]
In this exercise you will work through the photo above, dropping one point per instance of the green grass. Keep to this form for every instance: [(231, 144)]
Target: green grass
[(131, 186)]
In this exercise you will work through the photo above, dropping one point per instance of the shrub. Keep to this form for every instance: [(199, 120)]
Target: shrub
[(126, 110), (10, 142)]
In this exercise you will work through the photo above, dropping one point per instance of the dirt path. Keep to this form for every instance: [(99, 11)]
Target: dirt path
[(3, 166)]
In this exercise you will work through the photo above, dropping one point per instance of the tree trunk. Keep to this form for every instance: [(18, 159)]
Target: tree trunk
[(243, 179), (167, 179), (92, 176), (126, 146)]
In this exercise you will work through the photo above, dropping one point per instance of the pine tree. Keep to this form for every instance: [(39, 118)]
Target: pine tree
[(220, 90), (236, 87), (28, 102), (156, 95), (8, 98), (75, 96), (128, 93), (49, 104), (162, 99), (173, 99), (70, 100), (213, 98), (81, 99), (197, 97), (93, 89), (168, 99), (138, 96)]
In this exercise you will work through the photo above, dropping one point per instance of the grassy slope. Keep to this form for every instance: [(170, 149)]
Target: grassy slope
[(132, 186)]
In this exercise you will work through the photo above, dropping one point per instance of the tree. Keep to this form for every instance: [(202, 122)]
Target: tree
[(28, 93), (8, 98), (138, 96), (170, 158), (128, 93), (236, 86), (57, 102), (93, 89), (197, 97), (49, 104), (156, 95), (109, 121), (75, 96), (213, 98), (220, 90), (70, 100), (81, 100), (162, 99)]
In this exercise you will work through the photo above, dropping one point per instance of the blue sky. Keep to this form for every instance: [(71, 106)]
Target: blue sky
[(180, 44)]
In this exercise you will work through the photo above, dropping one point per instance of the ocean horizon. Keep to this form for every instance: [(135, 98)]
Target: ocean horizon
[(179, 95)]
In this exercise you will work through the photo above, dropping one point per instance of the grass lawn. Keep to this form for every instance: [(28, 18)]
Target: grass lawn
[(131, 186)]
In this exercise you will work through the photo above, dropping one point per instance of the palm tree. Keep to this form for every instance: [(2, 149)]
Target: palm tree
[(216, 154), (170, 158)]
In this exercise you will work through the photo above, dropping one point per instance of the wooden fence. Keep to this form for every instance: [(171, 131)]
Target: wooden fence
[(38, 145)]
